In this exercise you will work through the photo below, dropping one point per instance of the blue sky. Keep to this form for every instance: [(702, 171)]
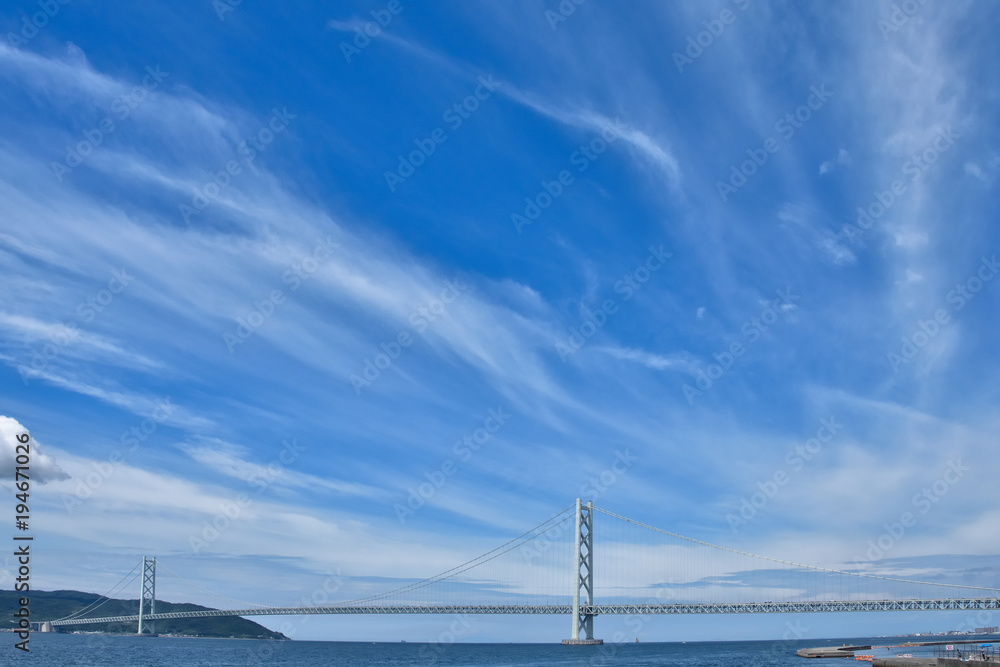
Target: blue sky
[(251, 253)]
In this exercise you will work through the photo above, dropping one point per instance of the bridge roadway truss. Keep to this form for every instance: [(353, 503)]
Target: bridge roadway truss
[(945, 604)]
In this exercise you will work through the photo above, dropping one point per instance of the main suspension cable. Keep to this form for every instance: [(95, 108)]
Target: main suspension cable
[(106, 596), (479, 560)]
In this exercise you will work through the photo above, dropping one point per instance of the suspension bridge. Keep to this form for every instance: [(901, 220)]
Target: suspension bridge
[(643, 570)]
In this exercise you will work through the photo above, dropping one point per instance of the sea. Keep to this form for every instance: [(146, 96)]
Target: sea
[(81, 650)]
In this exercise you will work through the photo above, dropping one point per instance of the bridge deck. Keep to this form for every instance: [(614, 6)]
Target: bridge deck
[(945, 604)]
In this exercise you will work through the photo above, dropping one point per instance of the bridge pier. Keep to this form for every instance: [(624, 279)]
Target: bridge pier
[(583, 575)]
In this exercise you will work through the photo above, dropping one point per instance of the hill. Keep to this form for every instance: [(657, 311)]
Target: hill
[(52, 605)]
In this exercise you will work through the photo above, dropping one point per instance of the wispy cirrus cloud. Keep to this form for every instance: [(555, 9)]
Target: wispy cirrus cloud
[(680, 362), (372, 307)]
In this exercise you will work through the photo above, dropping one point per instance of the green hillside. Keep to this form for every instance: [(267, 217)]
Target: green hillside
[(52, 605)]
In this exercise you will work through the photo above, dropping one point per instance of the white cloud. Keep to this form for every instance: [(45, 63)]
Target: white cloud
[(230, 460), (838, 253), (42, 467), (807, 222), (206, 280), (159, 409), (910, 277), (69, 340), (911, 240), (679, 362), (974, 170), (843, 159), (595, 122)]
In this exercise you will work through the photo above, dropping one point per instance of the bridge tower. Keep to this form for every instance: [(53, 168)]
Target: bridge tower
[(147, 596), (583, 574)]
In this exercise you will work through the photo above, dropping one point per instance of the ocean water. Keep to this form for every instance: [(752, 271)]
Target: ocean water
[(68, 650)]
